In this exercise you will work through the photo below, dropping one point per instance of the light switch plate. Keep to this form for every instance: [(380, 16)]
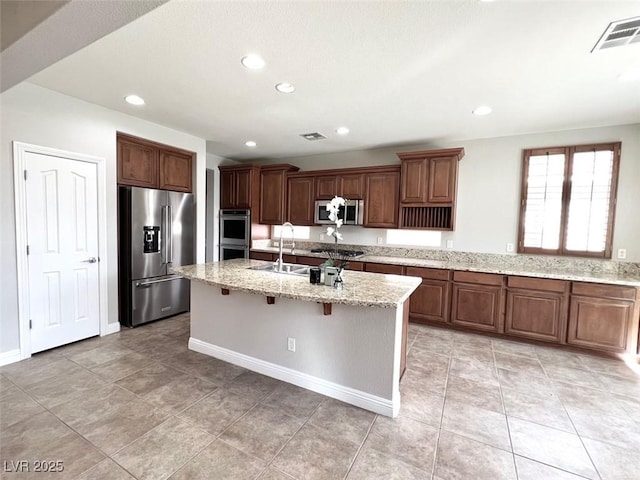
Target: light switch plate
[(291, 344), (622, 253)]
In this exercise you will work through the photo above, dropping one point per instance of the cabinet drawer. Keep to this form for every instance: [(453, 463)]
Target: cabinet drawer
[(543, 284), (480, 278), (431, 273), (359, 266), (312, 261), (605, 291), (383, 268), (261, 256)]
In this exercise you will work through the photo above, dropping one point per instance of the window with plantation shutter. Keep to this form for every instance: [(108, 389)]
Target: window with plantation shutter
[(568, 200)]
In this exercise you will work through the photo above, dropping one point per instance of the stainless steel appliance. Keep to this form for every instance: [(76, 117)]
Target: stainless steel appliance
[(351, 214), (235, 234), (156, 231)]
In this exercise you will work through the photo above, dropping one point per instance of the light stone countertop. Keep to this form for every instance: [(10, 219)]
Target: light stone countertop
[(559, 274), (360, 288)]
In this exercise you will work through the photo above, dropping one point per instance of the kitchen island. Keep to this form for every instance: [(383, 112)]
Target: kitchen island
[(349, 343)]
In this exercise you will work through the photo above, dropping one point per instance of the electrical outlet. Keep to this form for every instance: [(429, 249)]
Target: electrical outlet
[(510, 247), (622, 253), (291, 344), (322, 236), (276, 244), (449, 243), (379, 240)]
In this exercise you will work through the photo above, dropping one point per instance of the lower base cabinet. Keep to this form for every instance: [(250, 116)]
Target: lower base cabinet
[(477, 301), (432, 299), (603, 317), (537, 308)]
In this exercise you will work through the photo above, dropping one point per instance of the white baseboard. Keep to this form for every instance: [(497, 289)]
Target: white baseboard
[(112, 328), (9, 357), (349, 395)]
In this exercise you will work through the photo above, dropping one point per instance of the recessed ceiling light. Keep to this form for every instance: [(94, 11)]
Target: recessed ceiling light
[(631, 74), (342, 130), (253, 62), (482, 110), (134, 100), (250, 143), (285, 87)]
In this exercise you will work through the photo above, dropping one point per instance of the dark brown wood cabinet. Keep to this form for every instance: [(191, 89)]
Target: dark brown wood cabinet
[(143, 163), (477, 301), (428, 185), (137, 164), (442, 179), (273, 193), (385, 268), (269, 257), (312, 261), (414, 174), (326, 187), (537, 308), (300, 200), (431, 301), (351, 186), (603, 317), (176, 171), (238, 187), (381, 199)]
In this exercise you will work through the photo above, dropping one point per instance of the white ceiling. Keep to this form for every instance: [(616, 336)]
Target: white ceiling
[(393, 72)]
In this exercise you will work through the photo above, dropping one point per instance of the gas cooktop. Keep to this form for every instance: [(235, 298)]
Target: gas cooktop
[(344, 253)]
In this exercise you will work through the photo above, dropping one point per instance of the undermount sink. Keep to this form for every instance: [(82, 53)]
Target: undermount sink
[(287, 269)]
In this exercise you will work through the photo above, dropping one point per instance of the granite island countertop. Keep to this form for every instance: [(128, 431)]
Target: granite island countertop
[(559, 274), (360, 288)]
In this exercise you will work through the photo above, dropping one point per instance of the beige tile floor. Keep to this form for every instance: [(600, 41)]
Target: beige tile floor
[(139, 404)]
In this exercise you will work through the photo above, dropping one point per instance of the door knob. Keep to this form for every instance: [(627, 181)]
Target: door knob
[(91, 260)]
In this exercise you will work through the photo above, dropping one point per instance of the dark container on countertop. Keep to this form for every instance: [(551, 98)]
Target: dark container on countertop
[(314, 275)]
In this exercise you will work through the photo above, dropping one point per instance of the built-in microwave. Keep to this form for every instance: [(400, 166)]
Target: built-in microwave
[(351, 214)]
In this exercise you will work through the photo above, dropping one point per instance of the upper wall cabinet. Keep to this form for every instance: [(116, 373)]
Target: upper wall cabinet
[(142, 163), (351, 186), (428, 188), (273, 193), (381, 199), (300, 200), (239, 186), (326, 187), (176, 172)]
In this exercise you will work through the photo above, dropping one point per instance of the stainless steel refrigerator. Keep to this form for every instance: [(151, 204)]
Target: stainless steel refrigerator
[(156, 231)]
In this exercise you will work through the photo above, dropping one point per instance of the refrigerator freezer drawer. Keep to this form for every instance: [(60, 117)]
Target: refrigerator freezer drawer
[(155, 298)]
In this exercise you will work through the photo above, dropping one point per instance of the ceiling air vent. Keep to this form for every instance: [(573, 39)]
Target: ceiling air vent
[(313, 136), (617, 34)]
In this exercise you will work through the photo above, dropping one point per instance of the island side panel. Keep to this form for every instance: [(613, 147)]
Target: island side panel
[(355, 347)]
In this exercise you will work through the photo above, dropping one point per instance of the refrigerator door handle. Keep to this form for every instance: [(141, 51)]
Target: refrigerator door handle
[(148, 283), (170, 234), (165, 238)]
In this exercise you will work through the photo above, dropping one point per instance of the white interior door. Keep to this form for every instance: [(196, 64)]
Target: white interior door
[(62, 235)]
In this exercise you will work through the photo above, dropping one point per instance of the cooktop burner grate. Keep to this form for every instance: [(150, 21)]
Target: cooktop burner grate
[(344, 253)]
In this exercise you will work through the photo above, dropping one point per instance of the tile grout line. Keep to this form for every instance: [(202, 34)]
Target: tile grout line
[(440, 429), (355, 457), (504, 409)]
